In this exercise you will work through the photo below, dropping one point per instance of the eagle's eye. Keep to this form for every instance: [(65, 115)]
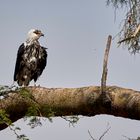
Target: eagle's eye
[(37, 32)]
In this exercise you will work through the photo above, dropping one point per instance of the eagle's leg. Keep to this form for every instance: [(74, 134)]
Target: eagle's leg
[(35, 85), (12, 85)]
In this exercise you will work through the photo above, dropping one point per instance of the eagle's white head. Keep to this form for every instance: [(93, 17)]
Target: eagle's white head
[(33, 36)]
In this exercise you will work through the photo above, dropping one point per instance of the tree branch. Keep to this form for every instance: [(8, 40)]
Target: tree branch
[(105, 69), (136, 32), (72, 101)]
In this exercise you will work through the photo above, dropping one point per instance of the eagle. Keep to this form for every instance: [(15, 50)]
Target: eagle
[(31, 59)]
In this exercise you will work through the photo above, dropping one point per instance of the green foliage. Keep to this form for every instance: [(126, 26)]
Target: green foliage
[(4, 118), (117, 3), (25, 93), (22, 137), (34, 121), (19, 136), (32, 111), (48, 112), (71, 119), (130, 32), (34, 108)]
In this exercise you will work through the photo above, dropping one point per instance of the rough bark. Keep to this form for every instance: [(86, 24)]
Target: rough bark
[(73, 101)]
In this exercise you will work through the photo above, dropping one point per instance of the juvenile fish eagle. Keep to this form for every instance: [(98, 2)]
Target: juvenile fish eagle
[(31, 59)]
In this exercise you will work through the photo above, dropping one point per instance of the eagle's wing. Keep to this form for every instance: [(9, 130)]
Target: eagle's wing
[(18, 61), (42, 62)]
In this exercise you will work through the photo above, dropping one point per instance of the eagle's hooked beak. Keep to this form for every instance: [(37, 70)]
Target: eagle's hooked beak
[(41, 34)]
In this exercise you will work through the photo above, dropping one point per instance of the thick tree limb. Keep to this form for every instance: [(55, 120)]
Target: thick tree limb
[(73, 101)]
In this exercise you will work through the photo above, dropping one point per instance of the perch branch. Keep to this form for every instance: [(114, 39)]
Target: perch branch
[(73, 101)]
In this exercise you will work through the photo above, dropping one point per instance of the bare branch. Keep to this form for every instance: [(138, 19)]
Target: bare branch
[(136, 31), (105, 69), (129, 138), (91, 135), (101, 137), (104, 133)]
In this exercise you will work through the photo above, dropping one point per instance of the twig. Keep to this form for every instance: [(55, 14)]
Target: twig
[(19, 136), (136, 31), (72, 120), (104, 133), (91, 135), (126, 39), (128, 137), (132, 36)]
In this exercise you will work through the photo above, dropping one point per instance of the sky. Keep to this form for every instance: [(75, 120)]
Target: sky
[(76, 32)]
